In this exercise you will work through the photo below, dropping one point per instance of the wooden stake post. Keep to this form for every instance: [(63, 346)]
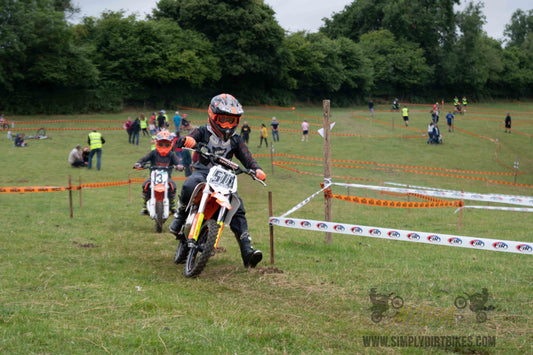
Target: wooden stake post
[(271, 213), (327, 165)]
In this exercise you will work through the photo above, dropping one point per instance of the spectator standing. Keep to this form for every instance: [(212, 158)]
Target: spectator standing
[(245, 132), (371, 108), (127, 127), (465, 103), (96, 141), (144, 125), (508, 123), (263, 135), (161, 121), (449, 120), (177, 123), (75, 158), (151, 126), (305, 131), (430, 133), (405, 115), (275, 129), (135, 129)]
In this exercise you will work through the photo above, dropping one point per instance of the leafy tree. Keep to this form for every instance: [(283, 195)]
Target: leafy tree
[(520, 27), (138, 55), (245, 35), (37, 50), (399, 66), (322, 67)]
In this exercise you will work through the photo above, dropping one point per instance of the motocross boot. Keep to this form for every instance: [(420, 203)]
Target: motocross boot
[(144, 210), (250, 257), (177, 223)]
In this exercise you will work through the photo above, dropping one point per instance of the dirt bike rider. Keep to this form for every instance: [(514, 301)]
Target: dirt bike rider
[(219, 135), (161, 156)]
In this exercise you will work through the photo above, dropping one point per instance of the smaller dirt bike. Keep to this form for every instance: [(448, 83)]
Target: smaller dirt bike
[(212, 206), (158, 204)]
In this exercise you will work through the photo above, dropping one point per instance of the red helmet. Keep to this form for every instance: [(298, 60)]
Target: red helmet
[(164, 141), (224, 115)]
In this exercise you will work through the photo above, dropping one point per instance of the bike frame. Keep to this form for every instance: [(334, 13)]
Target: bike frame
[(210, 197), (159, 192)]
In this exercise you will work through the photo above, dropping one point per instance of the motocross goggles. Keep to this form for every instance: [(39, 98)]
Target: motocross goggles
[(227, 121)]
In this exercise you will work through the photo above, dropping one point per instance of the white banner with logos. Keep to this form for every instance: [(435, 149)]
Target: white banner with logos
[(405, 235)]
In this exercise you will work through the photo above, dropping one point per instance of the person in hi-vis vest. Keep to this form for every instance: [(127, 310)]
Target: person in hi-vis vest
[(95, 141), (405, 115)]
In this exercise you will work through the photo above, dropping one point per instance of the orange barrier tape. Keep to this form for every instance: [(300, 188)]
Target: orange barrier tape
[(64, 129), (396, 204), (191, 108), (307, 116), (72, 121), (28, 189), (389, 165)]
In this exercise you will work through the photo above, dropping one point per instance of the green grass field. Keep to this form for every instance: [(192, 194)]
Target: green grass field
[(104, 281)]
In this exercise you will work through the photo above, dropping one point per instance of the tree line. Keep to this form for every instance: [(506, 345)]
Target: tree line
[(188, 50)]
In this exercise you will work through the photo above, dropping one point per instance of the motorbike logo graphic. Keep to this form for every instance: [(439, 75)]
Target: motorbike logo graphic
[(339, 228), (394, 234), (500, 245), (380, 304), (477, 304), (376, 232), (306, 224), (477, 243)]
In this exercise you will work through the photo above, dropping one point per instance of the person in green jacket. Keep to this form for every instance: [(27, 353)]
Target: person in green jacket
[(144, 125)]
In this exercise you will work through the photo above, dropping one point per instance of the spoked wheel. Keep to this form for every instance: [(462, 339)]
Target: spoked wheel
[(202, 251), (397, 302), (159, 216), (460, 302)]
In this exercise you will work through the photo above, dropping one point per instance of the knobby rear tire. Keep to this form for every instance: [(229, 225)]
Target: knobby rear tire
[(205, 247), (159, 221)]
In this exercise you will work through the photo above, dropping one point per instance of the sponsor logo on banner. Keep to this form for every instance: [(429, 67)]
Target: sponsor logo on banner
[(524, 248), (516, 200), (375, 232), (500, 245), (306, 224), (357, 230), (289, 222), (496, 198), (455, 241), (274, 221), (413, 236), (434, 238), (339, 228), (394, 234), (322, 226), (478, 196), (477, 243)]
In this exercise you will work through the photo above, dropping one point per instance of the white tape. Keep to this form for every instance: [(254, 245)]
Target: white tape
[(405, 235), (515, 209), (306, 201), (507, 199)]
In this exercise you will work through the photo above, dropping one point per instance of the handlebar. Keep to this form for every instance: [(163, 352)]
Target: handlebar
[(203, 150), (148, 166)]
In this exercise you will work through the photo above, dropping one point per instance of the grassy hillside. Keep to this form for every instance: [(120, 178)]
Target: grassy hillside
[(104, 281)]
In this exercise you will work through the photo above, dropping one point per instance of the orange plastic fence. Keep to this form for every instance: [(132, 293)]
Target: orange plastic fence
[(31, 189)]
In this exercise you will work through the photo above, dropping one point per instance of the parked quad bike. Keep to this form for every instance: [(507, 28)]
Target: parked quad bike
[(212, 206)]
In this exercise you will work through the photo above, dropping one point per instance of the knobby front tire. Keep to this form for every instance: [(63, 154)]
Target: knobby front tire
[(205, 247), (159, 221)]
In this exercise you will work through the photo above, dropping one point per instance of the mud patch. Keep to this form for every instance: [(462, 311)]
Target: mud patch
[(87, 245), (269, 270)]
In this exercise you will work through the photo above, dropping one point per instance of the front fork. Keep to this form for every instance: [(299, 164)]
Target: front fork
[(199, 220)]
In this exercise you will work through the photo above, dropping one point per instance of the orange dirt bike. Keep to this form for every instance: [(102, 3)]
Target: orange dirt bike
[(212, 206), (158, 204)]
